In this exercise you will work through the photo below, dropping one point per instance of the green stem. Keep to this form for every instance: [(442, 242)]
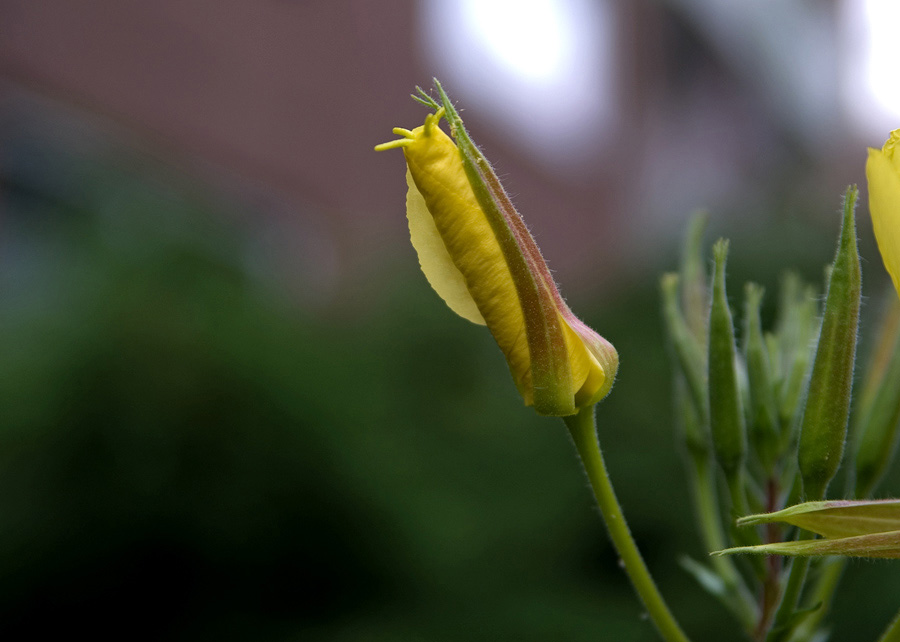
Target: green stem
[(584, 433), (739, 508), (892, 634), (707, 506), (781, 629), (822, 594), (771, 584)]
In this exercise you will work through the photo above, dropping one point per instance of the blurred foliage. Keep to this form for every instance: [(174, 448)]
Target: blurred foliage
[(189, 452)]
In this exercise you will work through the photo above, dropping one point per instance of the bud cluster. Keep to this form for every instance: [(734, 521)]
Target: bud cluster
[(765, 415)]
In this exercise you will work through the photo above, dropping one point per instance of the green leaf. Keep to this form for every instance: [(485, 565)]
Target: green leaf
[(729, 594), (705, 577), (836, 519), (880, 545)]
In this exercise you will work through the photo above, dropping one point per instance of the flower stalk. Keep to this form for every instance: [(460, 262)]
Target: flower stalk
[(583, 429)]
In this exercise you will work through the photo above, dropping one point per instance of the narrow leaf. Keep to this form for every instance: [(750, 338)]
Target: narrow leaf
[(834, 519), (880, 545)]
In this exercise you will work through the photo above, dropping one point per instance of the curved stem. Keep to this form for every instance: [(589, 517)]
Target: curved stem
[(584, 433)]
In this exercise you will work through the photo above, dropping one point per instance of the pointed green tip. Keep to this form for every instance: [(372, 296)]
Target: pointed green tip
[(851, 195), (735, 551), (720, 252), (697, 226), (423, 97), (848, 224)]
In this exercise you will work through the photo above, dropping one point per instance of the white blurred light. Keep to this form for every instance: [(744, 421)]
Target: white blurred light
[(527, 38), (540, 70), (871, 70)]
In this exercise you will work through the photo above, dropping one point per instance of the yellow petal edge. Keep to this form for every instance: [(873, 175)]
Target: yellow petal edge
[(883, 177), (443, 276)]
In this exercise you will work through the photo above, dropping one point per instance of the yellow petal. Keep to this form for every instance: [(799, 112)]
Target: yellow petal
[(590, 354), (587, 373), (437, 171), (435, 261), (884, 206)]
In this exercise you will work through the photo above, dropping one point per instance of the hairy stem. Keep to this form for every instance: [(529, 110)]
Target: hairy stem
[(584, 433)]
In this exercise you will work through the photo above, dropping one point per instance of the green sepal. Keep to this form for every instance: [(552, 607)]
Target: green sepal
[(824, 426), (550, 369), (837, 518)]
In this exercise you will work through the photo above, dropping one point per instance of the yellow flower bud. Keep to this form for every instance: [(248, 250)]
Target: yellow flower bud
[(883, 176), (478, 256)]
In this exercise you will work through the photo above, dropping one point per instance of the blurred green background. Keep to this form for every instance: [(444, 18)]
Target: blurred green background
[(186, 448), (206, 435)]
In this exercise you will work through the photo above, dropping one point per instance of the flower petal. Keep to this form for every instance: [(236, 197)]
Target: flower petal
[(436, 167), (883, 177), (435, 261)]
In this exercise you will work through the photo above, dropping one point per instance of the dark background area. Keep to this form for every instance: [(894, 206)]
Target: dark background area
[(230, 406)]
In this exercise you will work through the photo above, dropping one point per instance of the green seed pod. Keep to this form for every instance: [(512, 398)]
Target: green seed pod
[(824, 426), (763, 426), (797, 327), (725, 413)]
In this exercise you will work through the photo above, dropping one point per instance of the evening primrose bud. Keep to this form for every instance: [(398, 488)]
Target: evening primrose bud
[(797, 330), (726, 416), (791, 349), (688, 353), (694, 280), (824, 426), (764, 416), (480, 258)]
